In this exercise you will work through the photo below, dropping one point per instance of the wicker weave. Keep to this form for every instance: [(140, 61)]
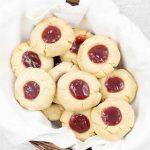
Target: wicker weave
[(44, 145)]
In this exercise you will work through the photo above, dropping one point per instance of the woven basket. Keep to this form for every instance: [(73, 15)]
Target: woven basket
[(45, 145)]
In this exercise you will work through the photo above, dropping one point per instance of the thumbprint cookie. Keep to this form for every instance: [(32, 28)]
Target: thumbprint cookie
[(112, 119), (98, 55), (34, 89), (24, 56), (52, 37), (78, 91), (119, 84), (79, 122)]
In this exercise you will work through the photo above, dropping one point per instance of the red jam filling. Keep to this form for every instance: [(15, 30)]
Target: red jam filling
[(98, 54), (51, 34), (79, 123), (77, 42), (111, 116), (57, 60), (31, 59), (31, 90), (79, 89), (114, 84)]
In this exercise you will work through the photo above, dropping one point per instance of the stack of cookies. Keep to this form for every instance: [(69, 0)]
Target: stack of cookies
[(71, 75)]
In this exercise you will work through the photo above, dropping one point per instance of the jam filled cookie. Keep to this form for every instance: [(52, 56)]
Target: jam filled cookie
[(61, 69), (24, 56), (112, 119), (79, 122), (52, 37), (119, 84), (80, 36), (34, 89), (78, 91), (54, 112), (98, 55)]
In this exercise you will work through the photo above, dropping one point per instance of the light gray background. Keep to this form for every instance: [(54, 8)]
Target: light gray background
[(139, 12)]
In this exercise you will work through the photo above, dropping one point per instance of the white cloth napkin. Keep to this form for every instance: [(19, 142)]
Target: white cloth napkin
[(102, 17)]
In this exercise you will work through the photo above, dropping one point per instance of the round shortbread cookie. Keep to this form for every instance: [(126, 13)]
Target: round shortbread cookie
[(79, 122), (112, 119), (61, 69), (78, 91), (24, 56), (119, 84), (52, 37), (98, 55), (54, 112), (80, 36), (34, 89)]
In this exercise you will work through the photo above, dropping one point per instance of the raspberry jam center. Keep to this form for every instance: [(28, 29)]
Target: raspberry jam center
[(79, 89), (31, 90), (77, 42), (111, 116), (79, 123), (51, 34), (31, 59), (114, 84), (98, 54)]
